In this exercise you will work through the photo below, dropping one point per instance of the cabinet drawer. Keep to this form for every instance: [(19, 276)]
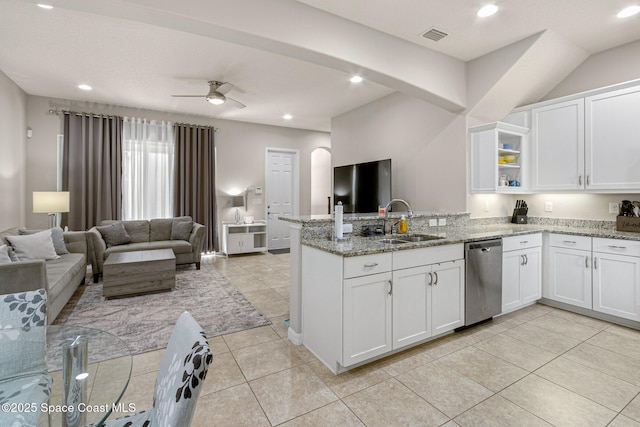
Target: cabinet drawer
[(366, 264), (568, 241), (524, 241), (616, 246), (425, 256)]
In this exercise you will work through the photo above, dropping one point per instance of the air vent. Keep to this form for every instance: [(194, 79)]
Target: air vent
[(434, 34)]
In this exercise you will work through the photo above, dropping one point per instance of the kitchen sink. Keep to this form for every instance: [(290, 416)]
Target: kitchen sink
[(420, 237), (392, 241), (413, 238)]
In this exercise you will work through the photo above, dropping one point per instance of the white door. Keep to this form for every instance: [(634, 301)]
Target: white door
[(616, 285), (570, 276), (447, 297), (612, 135), (511, 295), (531, 276), (281, 195), (366, 317), (558, 146), (411, 317)]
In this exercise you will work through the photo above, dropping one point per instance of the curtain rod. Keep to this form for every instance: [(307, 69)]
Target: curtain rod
[(57, 112), (215, 129), (79, 113)]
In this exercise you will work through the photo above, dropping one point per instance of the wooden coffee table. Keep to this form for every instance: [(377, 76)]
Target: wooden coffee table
[(127, 274)]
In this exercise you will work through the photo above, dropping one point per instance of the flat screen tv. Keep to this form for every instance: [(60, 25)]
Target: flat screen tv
[(362, 187)]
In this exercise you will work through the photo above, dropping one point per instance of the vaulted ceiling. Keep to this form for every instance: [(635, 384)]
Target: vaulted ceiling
[(296, 57)]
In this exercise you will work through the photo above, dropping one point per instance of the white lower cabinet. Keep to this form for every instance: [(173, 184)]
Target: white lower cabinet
[(358, 308), (521, 271), (569, 275), (366, 317), (616, 278), (427, 301)]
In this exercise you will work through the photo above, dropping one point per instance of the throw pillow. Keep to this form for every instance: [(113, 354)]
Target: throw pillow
[(57, 235), (114, 234), (181, 230), (34, 246), (4, 255)]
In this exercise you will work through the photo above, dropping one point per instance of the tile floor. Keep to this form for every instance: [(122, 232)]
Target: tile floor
[(537, 366)]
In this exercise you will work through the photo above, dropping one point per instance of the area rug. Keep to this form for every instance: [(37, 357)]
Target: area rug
[(145, 322)]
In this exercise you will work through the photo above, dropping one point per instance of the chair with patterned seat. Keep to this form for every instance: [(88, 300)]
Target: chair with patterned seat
[(179, 381), (23, 370)]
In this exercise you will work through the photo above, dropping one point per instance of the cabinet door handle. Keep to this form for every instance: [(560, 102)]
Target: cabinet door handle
[(435, 273), (617, 247), (569, 242), (524, 242), (373, 264), (430, 279), (595, 263), (390, 287), (586, 262), (588, 180), (580, 180), (521, 259), (526, 259)]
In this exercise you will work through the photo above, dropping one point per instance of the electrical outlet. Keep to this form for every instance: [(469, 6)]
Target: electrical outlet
[(347, 228), (433, 222), (613, 208), (487, 206), (442, 221), (548, 206)]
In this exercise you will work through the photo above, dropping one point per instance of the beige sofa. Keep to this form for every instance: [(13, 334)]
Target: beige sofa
[(60, 277), (147, 235)]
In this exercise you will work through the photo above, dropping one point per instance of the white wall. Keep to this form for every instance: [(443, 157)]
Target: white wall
[(321, 176), (617, 65), (426, 144), (13, 142), (240, 151)]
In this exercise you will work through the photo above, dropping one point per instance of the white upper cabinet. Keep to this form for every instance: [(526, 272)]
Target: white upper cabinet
[(612, 140), (498, 158), (557, 133)]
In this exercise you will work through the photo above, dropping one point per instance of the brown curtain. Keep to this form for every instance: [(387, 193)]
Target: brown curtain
[(92, 169), (195, 182)]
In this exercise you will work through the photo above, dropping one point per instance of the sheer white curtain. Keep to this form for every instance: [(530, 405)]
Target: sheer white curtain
[(147, 169)]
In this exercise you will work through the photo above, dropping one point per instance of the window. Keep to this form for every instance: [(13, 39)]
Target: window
[(147, 169)]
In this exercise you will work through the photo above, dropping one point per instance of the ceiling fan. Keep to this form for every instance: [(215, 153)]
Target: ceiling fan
[(217, 94)]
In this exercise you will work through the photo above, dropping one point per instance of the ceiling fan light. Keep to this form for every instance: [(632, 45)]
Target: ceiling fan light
[(216, 98), (629, 11)]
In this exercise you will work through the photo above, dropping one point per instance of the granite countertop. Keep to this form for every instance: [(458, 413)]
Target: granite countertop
[(357, 245), (320, 219)]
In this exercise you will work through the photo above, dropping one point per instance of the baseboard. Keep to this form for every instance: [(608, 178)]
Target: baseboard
[(294, 337)]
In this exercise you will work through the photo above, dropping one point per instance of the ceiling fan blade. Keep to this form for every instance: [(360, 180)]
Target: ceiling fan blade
[(188, 96), (225, 87), (236, 102)]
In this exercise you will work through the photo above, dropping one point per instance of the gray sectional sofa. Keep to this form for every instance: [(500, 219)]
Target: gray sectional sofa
[(60, 277), (146, 235)]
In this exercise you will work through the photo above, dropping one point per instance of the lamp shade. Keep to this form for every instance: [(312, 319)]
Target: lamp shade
[(50, 201), (237, 201)]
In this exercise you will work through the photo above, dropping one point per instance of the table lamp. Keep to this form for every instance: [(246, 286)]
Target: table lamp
[(236, 202), (51, 203)]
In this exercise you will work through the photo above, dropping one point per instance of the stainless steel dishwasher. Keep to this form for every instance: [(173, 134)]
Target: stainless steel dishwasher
[(483, 288)]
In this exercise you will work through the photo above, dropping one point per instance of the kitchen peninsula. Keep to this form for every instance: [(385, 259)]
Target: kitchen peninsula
[(326, 276)]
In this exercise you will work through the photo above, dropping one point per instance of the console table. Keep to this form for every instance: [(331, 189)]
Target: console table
[(244, 238)]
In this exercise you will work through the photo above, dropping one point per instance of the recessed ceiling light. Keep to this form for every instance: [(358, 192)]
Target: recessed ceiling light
[(487, 10), (356, 79), (287, 117), (45, 6), (628, 11), (84, 87)]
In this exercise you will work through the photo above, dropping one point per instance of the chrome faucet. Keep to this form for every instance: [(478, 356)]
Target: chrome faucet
[(386, 212)]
